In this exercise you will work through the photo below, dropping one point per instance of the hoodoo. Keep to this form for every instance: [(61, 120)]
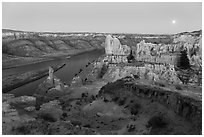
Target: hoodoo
[(115, 51)]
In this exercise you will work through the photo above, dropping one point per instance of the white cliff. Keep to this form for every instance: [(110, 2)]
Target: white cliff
[(113, 46), (115, 51)]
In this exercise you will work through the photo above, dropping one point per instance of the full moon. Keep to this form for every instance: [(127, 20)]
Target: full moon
[(174, 21)]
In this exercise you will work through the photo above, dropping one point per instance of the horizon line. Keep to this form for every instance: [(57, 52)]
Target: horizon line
[(100, 32)]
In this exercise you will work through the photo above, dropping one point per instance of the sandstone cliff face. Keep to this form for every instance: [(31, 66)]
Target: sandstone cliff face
[(150, 52), (116, 52), (113, 46), (167, 53), (151, 72), (158, 60), (146, 72)]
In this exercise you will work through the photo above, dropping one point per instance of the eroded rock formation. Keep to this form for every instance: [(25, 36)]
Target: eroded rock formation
[(193, 45), (150, 52), (50, 89), (115, 51), (147, 72)]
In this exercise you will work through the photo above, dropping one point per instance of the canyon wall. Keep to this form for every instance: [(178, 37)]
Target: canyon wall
[(146, 49), (37, 44)]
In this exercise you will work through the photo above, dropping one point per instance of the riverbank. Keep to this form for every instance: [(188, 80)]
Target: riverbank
[(78, 62), (23, 61), (14, 81)]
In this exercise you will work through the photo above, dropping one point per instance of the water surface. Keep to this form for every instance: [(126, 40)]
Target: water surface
[(73, 65)]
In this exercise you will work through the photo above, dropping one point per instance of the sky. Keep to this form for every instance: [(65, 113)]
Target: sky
[(114, 17)]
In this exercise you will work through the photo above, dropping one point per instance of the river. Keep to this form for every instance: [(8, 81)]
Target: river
[(73, 65)]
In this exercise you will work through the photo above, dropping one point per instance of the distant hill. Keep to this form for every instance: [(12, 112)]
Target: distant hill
[(196, 33), (32, 44)]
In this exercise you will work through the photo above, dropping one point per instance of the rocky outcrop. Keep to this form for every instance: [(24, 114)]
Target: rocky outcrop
[(193, 45), (147, 72), (157, 53), (113, 46), (116, 52), (167, 53), (14, 81), (150, 72), (52, 88), (144, 49)]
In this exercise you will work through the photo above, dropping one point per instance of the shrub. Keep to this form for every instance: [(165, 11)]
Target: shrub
[(84, 95), (105, 100), (159, 84), (103, 70), (122, 101), (182, 60), (136, 76), (47, 117), (115, 99), (87, 126), (76, 123), (157, 121), (130, 57), (178, 87), (135, 109), (80, 70), (64, 115), (131, 128), (22, 130)]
